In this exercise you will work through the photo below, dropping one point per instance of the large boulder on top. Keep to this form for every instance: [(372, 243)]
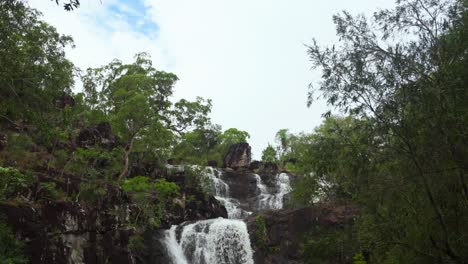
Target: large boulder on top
[(238, 155)]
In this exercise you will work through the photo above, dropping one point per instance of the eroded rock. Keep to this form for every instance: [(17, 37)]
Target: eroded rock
[(239, 155)]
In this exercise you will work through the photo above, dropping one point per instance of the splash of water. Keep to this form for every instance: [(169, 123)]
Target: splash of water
[(221, 241), (175, 251)]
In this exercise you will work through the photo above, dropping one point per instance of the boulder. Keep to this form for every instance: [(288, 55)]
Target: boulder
[(239, 155), (101, 134)]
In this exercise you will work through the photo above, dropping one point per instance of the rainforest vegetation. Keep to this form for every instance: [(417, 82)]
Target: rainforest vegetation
[(395, 142)]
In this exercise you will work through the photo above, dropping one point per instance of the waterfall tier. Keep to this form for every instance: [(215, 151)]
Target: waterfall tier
[(226, 241)]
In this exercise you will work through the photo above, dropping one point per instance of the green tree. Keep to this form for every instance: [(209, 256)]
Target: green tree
[(135, 97), (188, 116), (402, 75), (269, 154), (34, 72)]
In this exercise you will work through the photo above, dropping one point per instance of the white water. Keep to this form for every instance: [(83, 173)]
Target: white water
[(220, 189), (175, 251), (220, 241), (267, 200)]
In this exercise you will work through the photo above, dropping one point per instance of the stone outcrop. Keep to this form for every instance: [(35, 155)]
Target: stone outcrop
[(239, 155), (194, 206), (64, 231), (101, 134), (285, 229), (68, 232), (261, 167)]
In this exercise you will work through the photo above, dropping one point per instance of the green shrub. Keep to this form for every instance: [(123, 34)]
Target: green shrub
[(359, 259), (11, 249), (261, 232), (150, 197), (12, 181), (50, 191), (136, 244)]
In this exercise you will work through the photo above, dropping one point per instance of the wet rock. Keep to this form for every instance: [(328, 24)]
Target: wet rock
[(101, 134), (264, 168), (212, 163), (285, 229), (195, 206), (239, 155)]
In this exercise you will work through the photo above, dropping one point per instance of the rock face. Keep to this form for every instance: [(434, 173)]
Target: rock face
[(195, 206), (67, 232), (101, 134), (239, 155), (285, 229)]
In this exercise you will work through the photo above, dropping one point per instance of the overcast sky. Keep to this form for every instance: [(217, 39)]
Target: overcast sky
[(248, 56)]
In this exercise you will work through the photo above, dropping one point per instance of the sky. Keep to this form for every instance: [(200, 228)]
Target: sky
[(248, 56)]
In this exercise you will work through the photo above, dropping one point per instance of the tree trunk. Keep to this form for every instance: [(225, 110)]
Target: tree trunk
[(128, 150)]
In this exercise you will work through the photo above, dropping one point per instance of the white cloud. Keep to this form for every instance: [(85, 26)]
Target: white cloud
[(246, 55)]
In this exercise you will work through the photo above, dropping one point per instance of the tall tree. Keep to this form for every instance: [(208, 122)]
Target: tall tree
[(134, 96), (34, 72), (404, 73)]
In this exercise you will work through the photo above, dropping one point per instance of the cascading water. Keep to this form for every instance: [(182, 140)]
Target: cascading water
[(220, 189), (222, 241), (267, 200)]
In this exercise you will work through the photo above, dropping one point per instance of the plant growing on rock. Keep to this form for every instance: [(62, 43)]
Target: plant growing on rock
[(12, 182), (150, 197)]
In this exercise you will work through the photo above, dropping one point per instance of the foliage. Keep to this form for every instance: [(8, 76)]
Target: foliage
[(402, 79), (328, 245), (261, 231), (50, 191), (12, 182), (11, 249), (269, 154), (359, 259), (34, 71), (150, 197), (202, 145), (136, 244)]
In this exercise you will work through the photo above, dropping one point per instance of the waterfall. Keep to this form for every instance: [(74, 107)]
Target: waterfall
[(213, 182), (267, 200), (175, 251), (223, 241), (214, 241)]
